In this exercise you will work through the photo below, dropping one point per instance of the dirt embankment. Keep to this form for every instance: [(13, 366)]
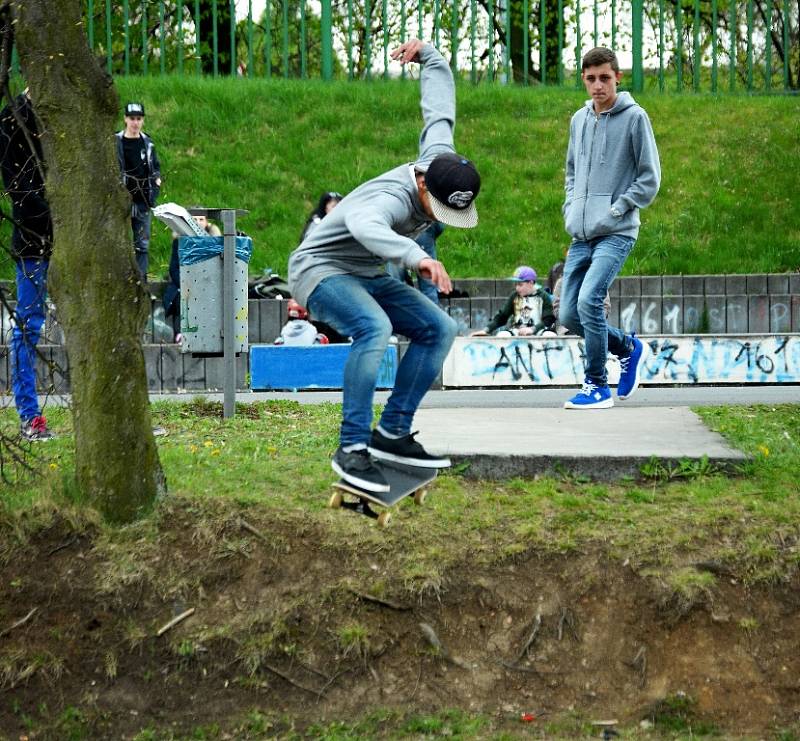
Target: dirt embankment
[(311, 633)]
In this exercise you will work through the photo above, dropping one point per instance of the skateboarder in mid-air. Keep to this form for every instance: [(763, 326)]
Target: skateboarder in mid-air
[(338, 272)]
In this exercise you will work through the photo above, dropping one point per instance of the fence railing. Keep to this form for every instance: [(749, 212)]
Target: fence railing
[(666, 44)]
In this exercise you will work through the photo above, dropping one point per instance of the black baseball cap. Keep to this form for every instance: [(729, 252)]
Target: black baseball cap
[(134, 109), (453, 184)]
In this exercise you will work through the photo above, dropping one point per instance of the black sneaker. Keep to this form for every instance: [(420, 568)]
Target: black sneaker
[(35, 430), (404, 450), (358, 469)]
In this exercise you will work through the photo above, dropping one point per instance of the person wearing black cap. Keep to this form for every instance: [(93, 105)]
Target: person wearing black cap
[(141, 173), (339, 274)]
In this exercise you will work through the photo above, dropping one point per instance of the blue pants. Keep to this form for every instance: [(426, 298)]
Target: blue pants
[(28, 321), (369, 310), (140, 223), (589, 270)]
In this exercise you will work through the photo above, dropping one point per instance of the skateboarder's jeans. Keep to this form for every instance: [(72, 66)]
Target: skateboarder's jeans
[(369, 310), (589, 270), (28, 321)]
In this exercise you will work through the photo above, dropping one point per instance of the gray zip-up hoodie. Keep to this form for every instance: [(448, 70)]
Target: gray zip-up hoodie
[(612, 170), (378, 221)]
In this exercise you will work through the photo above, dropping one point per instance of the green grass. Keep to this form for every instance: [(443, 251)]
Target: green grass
[(272, 146), (273, 457)]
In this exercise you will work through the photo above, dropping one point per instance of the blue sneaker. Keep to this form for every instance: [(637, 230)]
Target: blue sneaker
[(591, 396), (630, 369)]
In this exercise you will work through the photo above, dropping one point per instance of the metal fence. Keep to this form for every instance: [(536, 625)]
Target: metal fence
[(666, 44)]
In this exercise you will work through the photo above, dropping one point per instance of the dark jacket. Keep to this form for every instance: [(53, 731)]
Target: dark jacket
[(509, 317), (23, 172), (153, 167)]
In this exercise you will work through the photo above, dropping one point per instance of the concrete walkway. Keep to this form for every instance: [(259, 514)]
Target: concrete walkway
[(605, 445)]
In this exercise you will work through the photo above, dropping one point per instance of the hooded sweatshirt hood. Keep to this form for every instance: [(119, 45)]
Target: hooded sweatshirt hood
[(612, 170)]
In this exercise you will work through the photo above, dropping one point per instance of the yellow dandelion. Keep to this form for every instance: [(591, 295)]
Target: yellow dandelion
[(54, 466), (215, 451), (193, 448), (208, 444), (764, 450)]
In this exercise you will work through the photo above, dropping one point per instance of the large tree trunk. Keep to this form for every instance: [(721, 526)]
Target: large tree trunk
[(93, 277)]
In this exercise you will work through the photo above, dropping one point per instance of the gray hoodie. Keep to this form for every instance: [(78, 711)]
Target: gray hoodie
[(378, 221), (612, 171)]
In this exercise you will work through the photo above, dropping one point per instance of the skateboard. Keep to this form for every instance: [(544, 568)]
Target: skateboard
[(403, 481)]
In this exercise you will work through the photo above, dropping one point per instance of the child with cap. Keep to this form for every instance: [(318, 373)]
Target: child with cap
[(528, 311), (141, 174), (338, 272)]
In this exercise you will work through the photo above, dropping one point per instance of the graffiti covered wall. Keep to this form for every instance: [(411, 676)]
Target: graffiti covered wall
[(682, 359)]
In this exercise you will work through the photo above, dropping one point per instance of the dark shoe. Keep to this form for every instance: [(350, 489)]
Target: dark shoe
[(35, 430), (358, 469), (630, 369), (404, 450)]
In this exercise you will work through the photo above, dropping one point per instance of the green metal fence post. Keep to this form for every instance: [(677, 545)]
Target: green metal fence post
[(303, 41), (285, 38), (349, 39), (637, 9), (560, 42), (109, 57), (785, 44), (403, 21), (679, 50), (326, 29), (90, 24), (490, 43), (595, 33), (696, 47), (732, 31), (714, 44), (768, 41), (232, 11), (436, 23), (578, 44), (454, 39), (543, 41), (507, 47), (750, 44), (661, 45), (144, 37), (368, 38), (385, 24), (525, 42), (472, 40), (268, 39), (162, 38), (614, 24), (198, 57), (125, 23), (250, 62), (179, 31), (215, 48)]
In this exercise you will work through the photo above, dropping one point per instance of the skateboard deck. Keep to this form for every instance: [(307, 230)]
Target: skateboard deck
[(403, 481)]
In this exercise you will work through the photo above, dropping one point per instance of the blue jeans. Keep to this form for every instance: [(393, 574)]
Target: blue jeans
[(589, 270), (28, 321), (369, 310), (140, 223)]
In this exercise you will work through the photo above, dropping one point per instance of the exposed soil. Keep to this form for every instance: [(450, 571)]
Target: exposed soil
[(551, 636)]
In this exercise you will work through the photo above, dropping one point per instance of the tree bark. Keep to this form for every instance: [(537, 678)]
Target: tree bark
[(101, 302)]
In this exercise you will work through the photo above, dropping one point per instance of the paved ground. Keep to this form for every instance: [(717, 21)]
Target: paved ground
[(524, 432)]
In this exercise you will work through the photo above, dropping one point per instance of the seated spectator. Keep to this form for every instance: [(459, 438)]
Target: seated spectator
[(327, 202), (527, 312), (172, 291), (298, 331)]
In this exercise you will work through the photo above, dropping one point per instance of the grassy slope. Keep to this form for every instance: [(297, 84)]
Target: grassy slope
[(730, 167)]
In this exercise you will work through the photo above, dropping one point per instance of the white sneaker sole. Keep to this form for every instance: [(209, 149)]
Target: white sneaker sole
[(360, 483), (605, 404), (435, 463)]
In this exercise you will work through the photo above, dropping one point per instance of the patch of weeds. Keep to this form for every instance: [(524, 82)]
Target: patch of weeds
[(689, 588), (16, 667), (749, 625), (353, 638), (72, 725), (686, 468), (678, 714)]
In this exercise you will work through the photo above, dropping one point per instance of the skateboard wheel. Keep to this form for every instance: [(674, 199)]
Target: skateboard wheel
[(384, 518), (336, 500), (419, 496)]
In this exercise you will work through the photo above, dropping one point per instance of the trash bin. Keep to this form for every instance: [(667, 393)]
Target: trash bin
[(202, 301)]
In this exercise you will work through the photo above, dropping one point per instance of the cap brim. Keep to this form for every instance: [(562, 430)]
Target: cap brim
[(461, 218)]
